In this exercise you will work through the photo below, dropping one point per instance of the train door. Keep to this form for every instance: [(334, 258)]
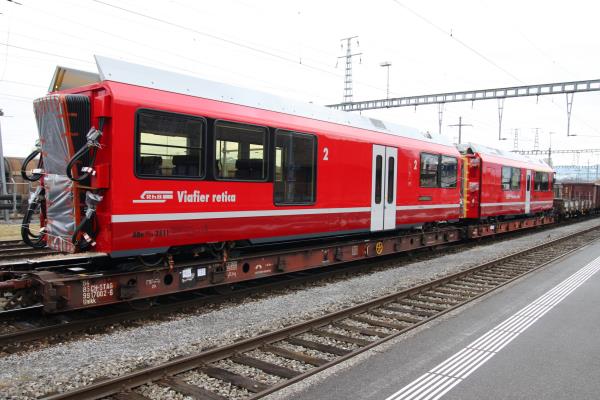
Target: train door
[(528, 192), (383, 187)]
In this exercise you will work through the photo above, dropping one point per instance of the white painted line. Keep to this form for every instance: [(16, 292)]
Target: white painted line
[(451, 359), (184, 216), (119, 218), (445, 376), (515, 203), (426, 207)]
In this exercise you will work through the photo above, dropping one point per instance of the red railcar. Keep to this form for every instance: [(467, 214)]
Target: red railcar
[(575, 198), (579, 191), (186, 162), (498, 184)]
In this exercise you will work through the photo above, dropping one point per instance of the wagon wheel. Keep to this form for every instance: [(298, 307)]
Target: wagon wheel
[(152, 261), (21, 298), (142, 304), (223, 289)]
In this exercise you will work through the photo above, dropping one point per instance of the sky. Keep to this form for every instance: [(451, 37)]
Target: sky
[(291, 48)]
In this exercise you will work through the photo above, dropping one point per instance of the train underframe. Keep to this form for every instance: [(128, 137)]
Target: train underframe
[(84, 281)]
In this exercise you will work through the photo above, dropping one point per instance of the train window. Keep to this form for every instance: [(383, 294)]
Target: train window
[(390, 182), (378, 178), (449, 171), (541, 182), (295, 168), (511, 178), (169, 145), (240, 151), (429, 170), (515, 179), (506, 173)]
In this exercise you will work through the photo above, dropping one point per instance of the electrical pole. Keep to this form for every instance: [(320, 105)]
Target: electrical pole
[(588, 170), (387, 65), (536, 139), (569, 109), (516, 139), (550, 148), (2, 171), (348, 72), (460, 125)]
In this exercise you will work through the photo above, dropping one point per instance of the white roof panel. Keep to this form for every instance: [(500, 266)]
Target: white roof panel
[(481, 149), (139, 75)]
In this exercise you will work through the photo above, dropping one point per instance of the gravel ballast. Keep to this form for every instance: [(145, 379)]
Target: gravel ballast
[(76, 363)]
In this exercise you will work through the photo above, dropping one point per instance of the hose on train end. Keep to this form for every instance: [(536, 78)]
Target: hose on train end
[(92, 145), (37, 172), (36, 200), (84, 236)]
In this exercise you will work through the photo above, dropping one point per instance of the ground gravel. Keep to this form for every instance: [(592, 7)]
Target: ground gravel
[(68, 365)]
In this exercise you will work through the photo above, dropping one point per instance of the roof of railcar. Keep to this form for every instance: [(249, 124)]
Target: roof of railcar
[(507, 157), (134, 74)]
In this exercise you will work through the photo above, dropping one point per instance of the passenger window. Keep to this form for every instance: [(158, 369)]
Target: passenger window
[(515, 179), (240, 151), (429, 170), (449, 170), (295, 167), (541, 182), (511, 178), (169, 145), (506, 174)]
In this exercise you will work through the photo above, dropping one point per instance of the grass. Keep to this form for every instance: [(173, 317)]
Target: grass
[(10, 231)]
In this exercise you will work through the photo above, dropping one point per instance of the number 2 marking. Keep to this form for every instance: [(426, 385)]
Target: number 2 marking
[(415, 165), (325, 154)]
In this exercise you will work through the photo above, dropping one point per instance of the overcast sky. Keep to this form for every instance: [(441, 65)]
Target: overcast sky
[(290, 48)]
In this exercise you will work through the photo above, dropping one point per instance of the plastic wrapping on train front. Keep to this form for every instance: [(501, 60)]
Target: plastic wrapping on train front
[(60, 213)]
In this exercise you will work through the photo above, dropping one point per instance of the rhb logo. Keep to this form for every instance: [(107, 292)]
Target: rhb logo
[(155, 196)]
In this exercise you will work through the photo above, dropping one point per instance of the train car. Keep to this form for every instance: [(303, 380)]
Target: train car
[(141, 161), (499, 184), (576, 198)]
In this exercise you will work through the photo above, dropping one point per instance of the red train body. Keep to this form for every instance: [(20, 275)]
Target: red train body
[(499, 184), (183, 163)]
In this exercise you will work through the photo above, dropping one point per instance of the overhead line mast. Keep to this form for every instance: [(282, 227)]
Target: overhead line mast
[(348, 69)]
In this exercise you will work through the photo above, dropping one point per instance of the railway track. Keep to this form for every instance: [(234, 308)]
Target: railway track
[(269, 362), (29, 324), (11, 250), (22, 326)]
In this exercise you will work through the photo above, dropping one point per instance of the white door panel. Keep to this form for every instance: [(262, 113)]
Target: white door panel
[(383, 187), (528, 192), (377, 186), (391, 173)]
